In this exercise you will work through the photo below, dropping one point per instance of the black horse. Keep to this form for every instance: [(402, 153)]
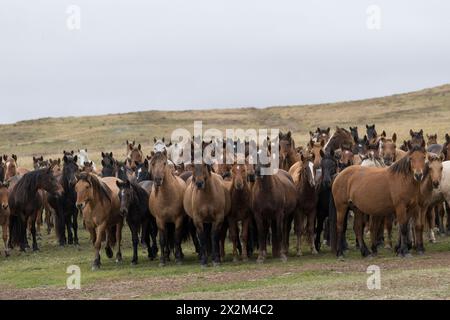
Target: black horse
[(134, 207), (109, 165), (2, 170), (141, 172), (65, 205), (24, 201)]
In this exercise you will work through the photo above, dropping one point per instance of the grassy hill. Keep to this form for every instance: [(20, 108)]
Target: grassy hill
[(428, 109)]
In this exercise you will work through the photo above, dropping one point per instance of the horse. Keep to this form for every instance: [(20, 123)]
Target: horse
[(431, 139), (124, 171), (404, 146), (83, 158), (346, 157), (134, 207), (88, 167), (305, 186), (98, 201), (25, 201), (240, 194), (416, 137), (372, 134), (354, 133), (207, 201), (273, 202), (12, 169), (2, 169), (339, 137), (429, 197), (389, 152), (109, 165), (378, 192), (372, 157), (134, 156), (4, 214), (446, 148), (166, 205), (141, 172), (288, 156), (321, 135), (65, 205), (39, 163)]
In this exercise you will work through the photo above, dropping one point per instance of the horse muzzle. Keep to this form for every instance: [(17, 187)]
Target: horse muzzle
[(5, 206), (435, 184), (418, 176), (200, 184), (158, 182), (81, 206)]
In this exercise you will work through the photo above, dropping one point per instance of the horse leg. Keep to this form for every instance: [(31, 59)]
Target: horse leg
[(75, 227), (234, 233), (262, 237), (245, 238), (402, 219), (430, 219), (39, 223), (145, 235), (359, 231), (69, 229), (178, 231), (33, 232), (215, 234), (100, 233), (135, 240), (162, 242), (377, 227), (279, 236), (319, 229), (298, 228), (5, 238), (312, 213), (420, 221), (119, 227), (203, 242), (388, 222)]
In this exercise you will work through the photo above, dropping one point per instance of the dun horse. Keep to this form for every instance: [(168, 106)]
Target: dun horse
[(98, 201), (4, 214), (378, 192)]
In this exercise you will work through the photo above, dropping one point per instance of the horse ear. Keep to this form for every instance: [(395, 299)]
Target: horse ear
[(365, 139), (394, 137), (280, 134), (14, 157), (139, 147), (163, 139), (34, 159), (5, 157), (409, 145), (111, 154), (383, 134), (289, 134), (146, 163), (421, 132), (65, 158), (103, 155), (367, 126), (328, 130), (154, 139), (103, 163), (447, 139), (118, 183), (59, 160), (318, 129), (411, 133), (75, 159)]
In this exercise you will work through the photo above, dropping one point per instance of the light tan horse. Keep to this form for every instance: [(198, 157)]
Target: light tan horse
[(389, 152), (378, 192), (12, 168), (4, 214), (98, 200), (207, 200), (166, 204)]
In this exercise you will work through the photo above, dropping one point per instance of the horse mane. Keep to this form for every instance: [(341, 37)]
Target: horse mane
[(27, 186), (402, 166), (97, 185)]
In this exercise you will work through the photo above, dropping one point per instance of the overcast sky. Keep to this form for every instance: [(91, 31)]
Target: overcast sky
[(132, 55)]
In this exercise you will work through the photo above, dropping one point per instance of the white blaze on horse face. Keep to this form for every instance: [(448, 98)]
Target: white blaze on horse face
[(311, 169)]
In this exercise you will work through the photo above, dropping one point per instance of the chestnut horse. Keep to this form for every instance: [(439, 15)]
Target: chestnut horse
[(378, 192), (339, 137), (389, 152), (134, 156), (2, 169), (166, 205), (207, 201), (273, 202), (288, 155), (12, 169), (446, 148), (98, 201)]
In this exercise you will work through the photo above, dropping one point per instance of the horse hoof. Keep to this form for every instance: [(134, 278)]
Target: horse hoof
[(235, 260), (314, 252), (95, 267), (35, 249), (216, 264), (134, 263), (299, 253), (162, 264), (6, 253), (118, 261), (388, 247), (341, 258), (419, 252), (283, 258), (244, 259), (259, 261)]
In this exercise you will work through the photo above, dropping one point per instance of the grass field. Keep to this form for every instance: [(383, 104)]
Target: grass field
[(42, 275)]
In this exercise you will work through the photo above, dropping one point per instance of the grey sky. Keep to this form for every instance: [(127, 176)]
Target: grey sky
[(176, 54)]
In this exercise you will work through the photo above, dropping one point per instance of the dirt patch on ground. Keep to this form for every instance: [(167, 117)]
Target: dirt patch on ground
[(419, 276)]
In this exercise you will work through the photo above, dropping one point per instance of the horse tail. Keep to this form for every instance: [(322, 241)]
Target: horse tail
[(17, 229), (332, 220), (185, 231)]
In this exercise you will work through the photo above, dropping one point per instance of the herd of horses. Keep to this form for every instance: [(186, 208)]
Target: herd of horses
[(318, 187)]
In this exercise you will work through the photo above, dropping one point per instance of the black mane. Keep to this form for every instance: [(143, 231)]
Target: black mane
[(402, 166), (101, 188)]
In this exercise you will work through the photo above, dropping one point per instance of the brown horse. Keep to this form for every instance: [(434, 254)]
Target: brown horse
[(134, 155), (240, 194), (207, 201), (379, 192), (389, 151), (339, 137), (12, 169), (98, 201), (4, 214), (372, 134), (273, 203), (305, 185), (446, 148), (416, 137), (166, 205), (428, 198), (431, 139), (288, 155)]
